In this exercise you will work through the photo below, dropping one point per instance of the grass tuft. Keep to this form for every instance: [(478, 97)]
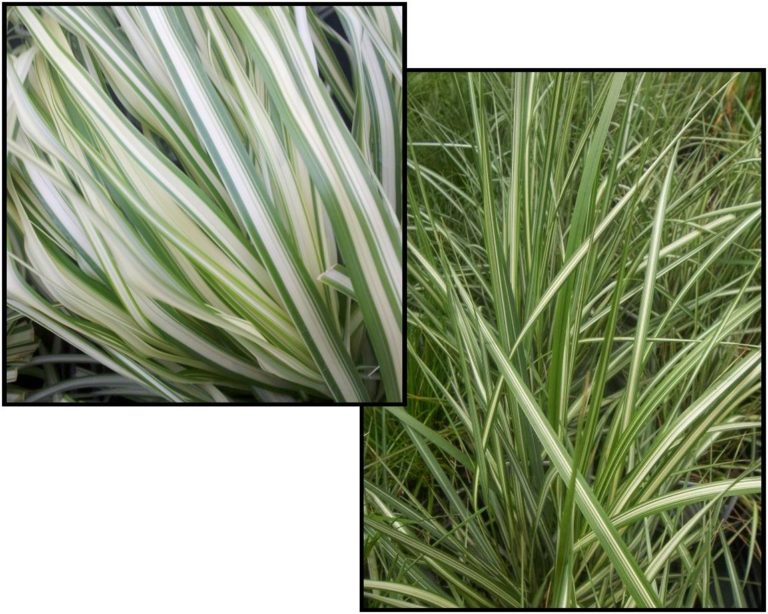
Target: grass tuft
[(583, 426)]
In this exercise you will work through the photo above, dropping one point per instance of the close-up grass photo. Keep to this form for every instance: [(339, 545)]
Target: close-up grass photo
[(204, 204), (583, 424)]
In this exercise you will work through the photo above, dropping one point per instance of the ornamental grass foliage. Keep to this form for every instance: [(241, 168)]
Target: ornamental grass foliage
[(583, 426), (207, 200)]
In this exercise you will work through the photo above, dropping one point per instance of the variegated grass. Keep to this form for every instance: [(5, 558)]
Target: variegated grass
[(203, 199), (583, 426)]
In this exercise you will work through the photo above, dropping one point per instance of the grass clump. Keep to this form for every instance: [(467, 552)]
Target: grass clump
[(583, 426)]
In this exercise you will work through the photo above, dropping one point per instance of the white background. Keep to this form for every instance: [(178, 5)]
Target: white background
[(587, 33), (150, 510), (225, 509)]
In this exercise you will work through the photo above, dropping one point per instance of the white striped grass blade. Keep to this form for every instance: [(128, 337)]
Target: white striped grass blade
[(626, 565), (638, 349), (409, 591), (679, 498), (230, 236), (299, 294), (365, 225), (748, 367)]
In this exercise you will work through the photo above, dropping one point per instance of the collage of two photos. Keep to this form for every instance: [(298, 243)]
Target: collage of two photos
[(543, 289)]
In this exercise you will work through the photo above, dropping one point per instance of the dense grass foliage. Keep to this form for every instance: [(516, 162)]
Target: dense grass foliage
[(583, 426), (207, 200)]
